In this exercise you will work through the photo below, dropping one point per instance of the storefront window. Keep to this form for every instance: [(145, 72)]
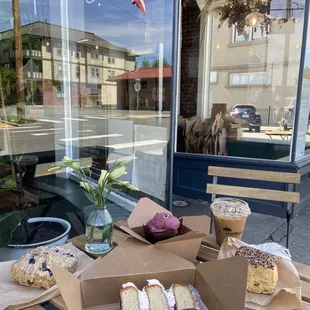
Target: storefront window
[(247, 76), (300, 147), (88, 79)]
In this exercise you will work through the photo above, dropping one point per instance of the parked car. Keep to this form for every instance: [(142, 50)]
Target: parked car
[(248, 113)]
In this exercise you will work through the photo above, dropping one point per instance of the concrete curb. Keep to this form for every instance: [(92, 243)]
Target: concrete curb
[(18, 125)]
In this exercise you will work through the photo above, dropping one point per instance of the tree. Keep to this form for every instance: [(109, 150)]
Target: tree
[(7, 86), (155, 63), (18, 60), (145, 64)]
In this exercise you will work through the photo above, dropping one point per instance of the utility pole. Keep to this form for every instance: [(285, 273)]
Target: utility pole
[(18, 60)]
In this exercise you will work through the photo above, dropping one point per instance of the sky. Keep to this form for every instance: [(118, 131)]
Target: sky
[(117, 21)]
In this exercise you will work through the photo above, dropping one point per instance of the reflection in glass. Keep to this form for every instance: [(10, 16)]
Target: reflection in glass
[(92, 81), (256, 68)]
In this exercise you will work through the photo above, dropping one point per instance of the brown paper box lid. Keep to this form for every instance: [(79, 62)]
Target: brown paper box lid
[(188, 236), (185, 248), (70, 288), (225, 281), (134, 234), (200, 223), (145, 210), (134, 257)]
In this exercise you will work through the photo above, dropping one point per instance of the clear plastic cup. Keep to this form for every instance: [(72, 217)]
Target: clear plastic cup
[(230, 215)]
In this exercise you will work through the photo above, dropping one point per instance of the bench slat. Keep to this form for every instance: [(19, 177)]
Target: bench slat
[(255, 193), (260, 175)]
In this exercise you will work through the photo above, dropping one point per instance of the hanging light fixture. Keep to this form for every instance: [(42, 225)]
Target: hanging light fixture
[(253, 19)]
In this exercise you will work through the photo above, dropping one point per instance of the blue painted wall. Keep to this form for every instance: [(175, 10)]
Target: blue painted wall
[(191, 178)]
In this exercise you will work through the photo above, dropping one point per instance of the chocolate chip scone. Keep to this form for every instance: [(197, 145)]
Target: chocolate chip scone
[(33, 269)]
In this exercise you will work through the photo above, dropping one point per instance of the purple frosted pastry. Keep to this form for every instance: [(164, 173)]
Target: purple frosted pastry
[(161, 227)]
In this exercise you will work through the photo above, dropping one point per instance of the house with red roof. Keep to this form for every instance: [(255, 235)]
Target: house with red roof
[(149, 95)]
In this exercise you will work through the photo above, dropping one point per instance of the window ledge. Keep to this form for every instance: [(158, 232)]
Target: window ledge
[(254, 42), (247, 86)]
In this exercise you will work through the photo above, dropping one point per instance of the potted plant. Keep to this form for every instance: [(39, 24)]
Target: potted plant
[(99, 223), (19, 230)]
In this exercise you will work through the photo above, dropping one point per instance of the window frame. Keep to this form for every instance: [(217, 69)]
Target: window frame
[(251, 39), (60, 91), (77, 72), (216, 77), (111, 60), (111, 73), (248, 74), (61, 73)]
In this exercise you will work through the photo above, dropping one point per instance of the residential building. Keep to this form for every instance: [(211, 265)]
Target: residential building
[(254, 67), (218, 65), (87, 61)]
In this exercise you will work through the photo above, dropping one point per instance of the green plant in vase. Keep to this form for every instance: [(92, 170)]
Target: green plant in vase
[(99, 223)]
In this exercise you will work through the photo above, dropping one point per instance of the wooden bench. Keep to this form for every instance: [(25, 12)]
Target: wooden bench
[(282, 133), (289, 197), (208, 252)]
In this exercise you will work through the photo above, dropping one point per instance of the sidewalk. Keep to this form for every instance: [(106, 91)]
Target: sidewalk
[(262, 228)]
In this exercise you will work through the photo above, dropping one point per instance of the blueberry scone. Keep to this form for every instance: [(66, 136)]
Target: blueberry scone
[(33, 269)]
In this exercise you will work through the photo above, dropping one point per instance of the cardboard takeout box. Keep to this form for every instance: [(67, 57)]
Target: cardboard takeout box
[(221, 284), (185, 245)]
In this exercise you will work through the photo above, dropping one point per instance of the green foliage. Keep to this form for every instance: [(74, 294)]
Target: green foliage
[(145, 64), (7, 183), (8, 223), (155, 63), (234, 12), (97, 194), (8, 76), (8, 79), (281, 122), (307, 73)]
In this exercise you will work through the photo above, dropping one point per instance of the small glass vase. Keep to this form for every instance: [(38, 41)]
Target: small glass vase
[(99, 228)]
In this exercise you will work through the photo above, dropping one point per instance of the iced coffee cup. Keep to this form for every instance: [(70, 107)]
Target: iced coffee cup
[(230, 215)]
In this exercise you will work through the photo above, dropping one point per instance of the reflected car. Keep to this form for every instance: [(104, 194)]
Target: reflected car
[(247, 113)]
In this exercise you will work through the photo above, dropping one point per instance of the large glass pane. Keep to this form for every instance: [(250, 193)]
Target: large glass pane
[(256, 83), (88, 79), (302, 139)]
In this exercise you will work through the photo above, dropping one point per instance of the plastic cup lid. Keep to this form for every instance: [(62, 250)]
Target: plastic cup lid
[(230, 207)]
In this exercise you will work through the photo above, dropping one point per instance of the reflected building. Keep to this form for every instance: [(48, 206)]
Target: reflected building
[(220, 65), (87, 61), (150, 96)]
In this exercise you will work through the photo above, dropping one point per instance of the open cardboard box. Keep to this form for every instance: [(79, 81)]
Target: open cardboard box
[(221, 284), (185, 245)]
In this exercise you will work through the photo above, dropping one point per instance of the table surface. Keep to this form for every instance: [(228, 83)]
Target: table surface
[(208, 252)]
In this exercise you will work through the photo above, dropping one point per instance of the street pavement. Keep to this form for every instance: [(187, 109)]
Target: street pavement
[(121, 130)]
